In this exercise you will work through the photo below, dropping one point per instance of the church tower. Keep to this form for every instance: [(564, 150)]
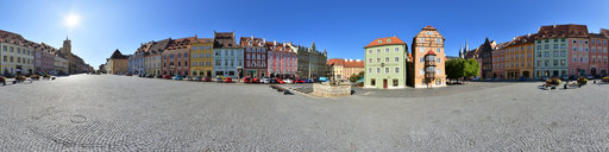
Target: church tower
[(67, 47)]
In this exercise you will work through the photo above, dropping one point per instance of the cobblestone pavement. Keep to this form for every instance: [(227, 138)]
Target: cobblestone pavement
[(119, 113)]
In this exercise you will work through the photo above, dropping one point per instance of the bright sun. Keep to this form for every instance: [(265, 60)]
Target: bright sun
[(72, 20)]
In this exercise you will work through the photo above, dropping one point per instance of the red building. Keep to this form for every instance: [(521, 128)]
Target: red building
[(598, 54), (255, 56)]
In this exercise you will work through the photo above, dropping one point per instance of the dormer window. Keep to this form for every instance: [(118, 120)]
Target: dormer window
[(380, 41), (388, 40)]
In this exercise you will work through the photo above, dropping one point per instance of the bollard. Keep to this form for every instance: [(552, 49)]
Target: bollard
[(565, 86)]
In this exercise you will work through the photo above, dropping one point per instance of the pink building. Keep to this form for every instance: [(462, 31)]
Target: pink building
[(44, 58), (282, 60), (175, 58), (598, 54), (579, 55)]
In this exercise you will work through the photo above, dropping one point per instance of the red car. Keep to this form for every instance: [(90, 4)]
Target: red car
[(247, 80), (166, 77), (279, 81), (228, 79), (299, 81), (206, 79), (255, 80)]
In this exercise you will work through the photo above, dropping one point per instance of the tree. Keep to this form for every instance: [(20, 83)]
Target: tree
[(455, 69), (472, 68), (356, 77), (459, 68)]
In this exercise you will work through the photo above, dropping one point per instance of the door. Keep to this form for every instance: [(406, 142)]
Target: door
[(385, 83)]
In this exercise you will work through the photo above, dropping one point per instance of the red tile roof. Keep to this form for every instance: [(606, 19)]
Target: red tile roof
[(386, 41), (563, 31), (349, 63)]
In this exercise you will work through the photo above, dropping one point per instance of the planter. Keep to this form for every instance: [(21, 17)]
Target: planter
[(582, 81), (553, 82)]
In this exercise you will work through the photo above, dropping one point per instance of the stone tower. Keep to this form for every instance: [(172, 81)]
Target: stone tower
[(67, 47)]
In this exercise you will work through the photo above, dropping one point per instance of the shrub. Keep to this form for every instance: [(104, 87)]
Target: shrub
[(582, 81), (553, 82), (35, 77), (606, 79)]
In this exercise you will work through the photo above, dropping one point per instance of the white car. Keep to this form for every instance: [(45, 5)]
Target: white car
[(288, 81), (265, 80)]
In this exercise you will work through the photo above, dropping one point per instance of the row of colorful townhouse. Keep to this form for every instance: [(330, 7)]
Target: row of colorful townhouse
[(220, 56), (566, 51), (22, 56)]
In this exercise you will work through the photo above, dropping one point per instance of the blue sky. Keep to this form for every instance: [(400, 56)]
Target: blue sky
[(343, 27)]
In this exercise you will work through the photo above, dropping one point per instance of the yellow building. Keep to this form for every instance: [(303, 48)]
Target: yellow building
[(518, 57), (117, 63), (201, 57)]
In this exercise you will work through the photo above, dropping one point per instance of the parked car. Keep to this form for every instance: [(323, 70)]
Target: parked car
[(149, 76), (177, 77), (323, 79), (158, 76), (206, 79), (288, 81), (228, 80), (247, 80), (280, 81), (265, 80), (129, 74), (166, 77), (219, 79), (299, 81), (197, 78)]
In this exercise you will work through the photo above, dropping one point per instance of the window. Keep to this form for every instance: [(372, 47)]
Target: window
[(395, 82), (563, 46), (439, 41), (370, 60), (429, 33), (563, 53), (397, 49), (439, 50), (388, 40), (369, 70), (378, 50), (421, 49), (387, 59), (555, 46), (370, 51), (372, 82), (538, 47), (422, 39), (547, 46), (422, 59), (386, 70), (378, 59), (380, 41), (555, 62), (555, 53), (378, 70), (438, 60), (397, 70), (586, 49), (387, 50), (397, 59), (546, 54)]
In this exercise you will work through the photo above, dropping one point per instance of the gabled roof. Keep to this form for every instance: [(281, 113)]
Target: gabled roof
[(251, 42), (386, 41), (348, 63), (563, 31), (224, 40), (118, 55)]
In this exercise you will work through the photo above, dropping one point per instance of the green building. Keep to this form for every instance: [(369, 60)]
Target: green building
[(385, 63)]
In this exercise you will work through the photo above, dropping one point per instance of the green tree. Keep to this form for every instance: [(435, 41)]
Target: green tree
[(459, 68), (356, 77), (472, 68)]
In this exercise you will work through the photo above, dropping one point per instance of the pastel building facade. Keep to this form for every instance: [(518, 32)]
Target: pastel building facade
[(343, 69), (598, 54), (117, 63), (228, 56), (282, 60), (153, 58), (255, 56), (428, 59), (201, 57), (176, 57), (385, 63), (44, 58)]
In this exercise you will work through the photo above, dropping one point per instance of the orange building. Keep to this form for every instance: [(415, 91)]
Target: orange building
[(428, 59)]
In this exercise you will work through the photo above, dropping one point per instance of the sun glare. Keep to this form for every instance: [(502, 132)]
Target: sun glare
[(72, 20)]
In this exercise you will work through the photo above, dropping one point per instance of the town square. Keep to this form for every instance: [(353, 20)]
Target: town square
[(115, 113), (316, 75)]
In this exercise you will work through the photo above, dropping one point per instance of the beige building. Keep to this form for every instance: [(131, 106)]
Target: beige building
[(427, 66), (61, 65), (343, 69), (117, 63)]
